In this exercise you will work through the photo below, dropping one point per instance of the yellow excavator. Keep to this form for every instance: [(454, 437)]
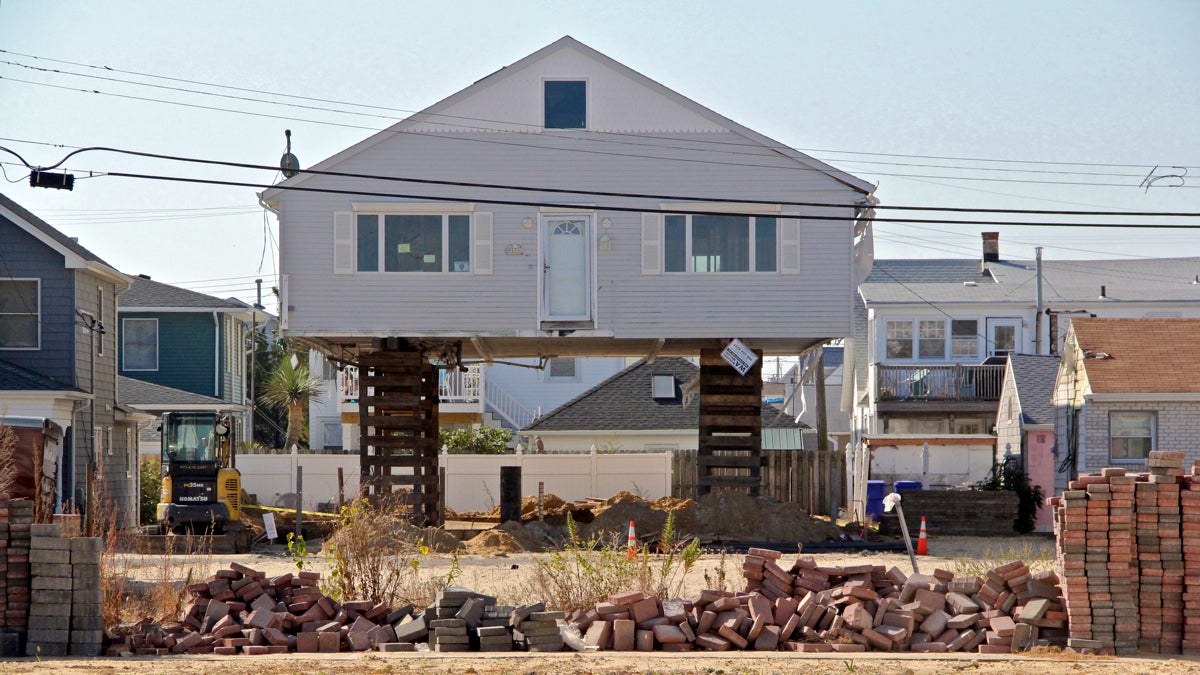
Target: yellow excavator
[(201, 489)]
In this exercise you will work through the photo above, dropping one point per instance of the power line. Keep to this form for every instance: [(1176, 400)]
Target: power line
[(602, 193), (625, 209), (583, 138), (109, 69), (473, 139)]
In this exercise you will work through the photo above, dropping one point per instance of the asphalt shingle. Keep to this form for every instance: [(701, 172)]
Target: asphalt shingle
[(16, 378), (1140, 356), (142, 394), (149, 293), (1034, 380)]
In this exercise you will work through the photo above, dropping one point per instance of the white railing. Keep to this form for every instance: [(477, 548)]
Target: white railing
[(348, 383), (457, 386), (509, 408)]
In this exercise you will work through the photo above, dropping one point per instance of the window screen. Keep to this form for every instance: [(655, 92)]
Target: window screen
[(562, 367)]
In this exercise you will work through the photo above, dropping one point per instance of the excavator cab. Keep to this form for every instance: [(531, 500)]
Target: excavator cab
[(201, 490)]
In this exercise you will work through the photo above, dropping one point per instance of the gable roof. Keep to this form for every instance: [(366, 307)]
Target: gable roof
[(1139, 356), (16, 378), (76, 254), (413, 122), (624, 402), (147, 395), (147, 293), (1076, 282), (1033, 381)]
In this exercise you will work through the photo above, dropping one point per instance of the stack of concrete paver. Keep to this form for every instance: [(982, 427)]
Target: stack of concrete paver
[(1189, 503), (1123, 554), (16, 517), (808, 608), (50, 598), (87, 597)]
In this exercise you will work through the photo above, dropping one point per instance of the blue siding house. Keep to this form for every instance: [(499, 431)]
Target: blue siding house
[(58, 364), (189, 342)]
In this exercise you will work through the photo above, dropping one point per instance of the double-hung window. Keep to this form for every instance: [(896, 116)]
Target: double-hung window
[(720, 243), (413, 243), (20, 314), (1131, 435), (964, 339), (899, 339), (931, 339), (139, 344)]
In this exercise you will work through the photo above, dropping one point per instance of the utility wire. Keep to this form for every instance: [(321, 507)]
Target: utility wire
[(602, 193), (537, 127), (624, 209), (595, 139), (476, 139)]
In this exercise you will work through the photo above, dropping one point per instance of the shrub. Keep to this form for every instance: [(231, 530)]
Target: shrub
[(150, 475), (481, 441), (1008, 476)]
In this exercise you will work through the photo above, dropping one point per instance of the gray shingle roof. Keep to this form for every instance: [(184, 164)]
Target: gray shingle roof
[(624, 402), (49, 230), (1034, 379), (142, 394), (148, 293), (16, 378), (1013, 281)]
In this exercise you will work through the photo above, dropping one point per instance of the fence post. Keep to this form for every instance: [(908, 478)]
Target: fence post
[(299, 497)]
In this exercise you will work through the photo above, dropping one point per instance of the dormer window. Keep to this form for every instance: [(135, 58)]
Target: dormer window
[(663, 387), (565, 104)]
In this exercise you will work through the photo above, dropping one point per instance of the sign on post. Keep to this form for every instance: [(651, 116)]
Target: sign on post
[(269, 526), (738, 355)]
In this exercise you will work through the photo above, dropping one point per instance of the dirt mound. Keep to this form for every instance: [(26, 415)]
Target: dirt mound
[(493, 541), (672, 503), (740, 516)]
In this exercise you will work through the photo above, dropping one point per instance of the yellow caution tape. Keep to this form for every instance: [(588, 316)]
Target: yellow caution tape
[(292, 511)]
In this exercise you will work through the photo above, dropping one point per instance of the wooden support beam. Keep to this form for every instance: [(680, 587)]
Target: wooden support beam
[(658, 345), (484, 350)]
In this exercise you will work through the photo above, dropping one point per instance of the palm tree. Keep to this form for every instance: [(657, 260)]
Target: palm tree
[(289, 388)]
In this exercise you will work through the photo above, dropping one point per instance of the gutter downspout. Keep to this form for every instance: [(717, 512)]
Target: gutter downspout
[(1037, 317), (216, 356)]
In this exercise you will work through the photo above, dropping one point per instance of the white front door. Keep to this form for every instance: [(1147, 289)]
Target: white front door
[(566, 268), (1003, 336)]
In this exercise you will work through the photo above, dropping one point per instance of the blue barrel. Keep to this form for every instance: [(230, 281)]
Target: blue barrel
[(875, 492), (907, 485)]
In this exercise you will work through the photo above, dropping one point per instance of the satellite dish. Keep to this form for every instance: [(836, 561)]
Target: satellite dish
[(288, 164)]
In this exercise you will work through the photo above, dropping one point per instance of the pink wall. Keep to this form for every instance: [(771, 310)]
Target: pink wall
[(1040, 465)]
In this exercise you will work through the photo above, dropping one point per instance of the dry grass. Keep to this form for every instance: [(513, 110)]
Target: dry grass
[(375, 555), (1038, 554), (586, 572), (8, 452)]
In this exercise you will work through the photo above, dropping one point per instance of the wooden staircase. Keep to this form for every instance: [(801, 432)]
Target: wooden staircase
[(398, 426), (730, 453)]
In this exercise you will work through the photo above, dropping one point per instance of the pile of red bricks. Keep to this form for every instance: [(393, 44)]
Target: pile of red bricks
[(1127, 544), (16, 518), (808, 608)]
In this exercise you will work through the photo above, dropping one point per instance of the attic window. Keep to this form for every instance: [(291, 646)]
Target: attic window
[(565, 104), (663, 386), (562, 369)]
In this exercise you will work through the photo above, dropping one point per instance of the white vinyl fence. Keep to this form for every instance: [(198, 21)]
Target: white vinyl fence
[(472, 481)]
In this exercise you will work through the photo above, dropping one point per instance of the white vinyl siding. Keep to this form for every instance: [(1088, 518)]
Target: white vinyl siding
[(20, 314)]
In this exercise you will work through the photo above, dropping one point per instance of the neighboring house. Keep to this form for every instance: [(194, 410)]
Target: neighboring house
[(58, 354), (511, 396), (154, 400), (1126, 387), (800, 397), (926, 360), (188, 341), (641, 409), (1025, 424), (511, 272)]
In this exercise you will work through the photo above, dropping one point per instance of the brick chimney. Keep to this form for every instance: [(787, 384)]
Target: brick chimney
[(991, 247)]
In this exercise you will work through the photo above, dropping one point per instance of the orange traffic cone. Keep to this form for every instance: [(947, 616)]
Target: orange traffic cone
[(922, 545), (632, 542)]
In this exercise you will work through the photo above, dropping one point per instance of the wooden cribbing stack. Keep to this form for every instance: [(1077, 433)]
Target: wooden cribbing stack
[(398, 424), (730, 454)]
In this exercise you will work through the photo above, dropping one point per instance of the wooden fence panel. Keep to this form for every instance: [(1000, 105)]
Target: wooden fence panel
[(811, 478)]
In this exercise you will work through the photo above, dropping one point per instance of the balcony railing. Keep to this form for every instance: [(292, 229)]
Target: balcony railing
[(457, 386), (938, 383)]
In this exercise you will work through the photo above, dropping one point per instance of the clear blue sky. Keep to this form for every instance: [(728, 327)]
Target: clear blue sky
[(1112, 83)]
